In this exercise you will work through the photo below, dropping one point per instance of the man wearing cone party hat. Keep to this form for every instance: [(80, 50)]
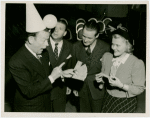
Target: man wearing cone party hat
[(30, 68)]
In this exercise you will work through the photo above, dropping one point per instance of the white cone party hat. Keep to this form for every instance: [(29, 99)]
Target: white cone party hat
[(34, 22)]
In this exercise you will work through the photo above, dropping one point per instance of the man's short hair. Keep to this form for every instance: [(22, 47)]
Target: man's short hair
[(92, 25)]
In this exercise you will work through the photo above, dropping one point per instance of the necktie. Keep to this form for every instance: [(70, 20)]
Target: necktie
[(56, 51), (38, 57), (88, 51)]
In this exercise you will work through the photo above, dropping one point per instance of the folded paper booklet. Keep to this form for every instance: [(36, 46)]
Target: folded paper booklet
[(81, 71)]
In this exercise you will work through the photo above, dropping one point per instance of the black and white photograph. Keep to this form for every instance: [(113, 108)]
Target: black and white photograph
[(74, 57)]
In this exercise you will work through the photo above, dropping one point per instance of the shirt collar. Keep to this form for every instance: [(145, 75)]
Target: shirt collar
[(53, 42), (92, 45), (125, 58), (32, 51), (121, 60)]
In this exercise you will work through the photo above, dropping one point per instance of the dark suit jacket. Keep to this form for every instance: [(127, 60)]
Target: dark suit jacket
[(79, 53), (59, 87), (33, 86)]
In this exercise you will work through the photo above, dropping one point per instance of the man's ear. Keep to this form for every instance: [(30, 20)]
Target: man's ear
[(31, 39), (65, 33), (97, 35)]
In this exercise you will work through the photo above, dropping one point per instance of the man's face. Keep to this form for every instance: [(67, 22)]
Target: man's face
[(40, 42), (88, 36), (119, 45), (60, 31)]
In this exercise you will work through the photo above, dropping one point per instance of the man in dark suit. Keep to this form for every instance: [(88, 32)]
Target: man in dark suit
[(59, 51), (90, 51), (30, 72), (32, 75)]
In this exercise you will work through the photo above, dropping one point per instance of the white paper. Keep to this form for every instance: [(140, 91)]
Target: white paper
[(81, 71)]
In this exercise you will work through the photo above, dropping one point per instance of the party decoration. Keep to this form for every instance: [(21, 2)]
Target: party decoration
[(50, 21), (34, 22)]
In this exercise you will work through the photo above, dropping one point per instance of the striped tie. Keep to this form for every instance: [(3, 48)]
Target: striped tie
[(56, 51)]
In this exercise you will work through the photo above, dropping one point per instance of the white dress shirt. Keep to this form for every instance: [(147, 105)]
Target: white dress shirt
[(92, 46), (59, 45)]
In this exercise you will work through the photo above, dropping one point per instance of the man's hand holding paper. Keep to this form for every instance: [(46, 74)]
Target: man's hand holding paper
[(68, 73), (80, 71)]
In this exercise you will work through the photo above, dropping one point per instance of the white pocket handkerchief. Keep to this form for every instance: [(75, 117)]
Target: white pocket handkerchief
[(49, 63), (69, 57), (101, 59)]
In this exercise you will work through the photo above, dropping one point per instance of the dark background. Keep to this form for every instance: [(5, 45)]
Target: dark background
[(132, 16)]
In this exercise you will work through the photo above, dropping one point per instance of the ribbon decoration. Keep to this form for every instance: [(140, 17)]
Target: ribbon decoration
[(93, 19), (80, 20), (79, 28), (64, 20), (120, 27), (100, 23), (111, 28)]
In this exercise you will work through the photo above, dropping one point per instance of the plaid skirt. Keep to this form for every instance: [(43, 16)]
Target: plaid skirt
[(119, 105)]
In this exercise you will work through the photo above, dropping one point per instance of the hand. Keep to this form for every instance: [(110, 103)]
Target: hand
[(101, 86), (99, 77), (68, 91), (114, 81), (76, 93), (57, 71), (68, 73)]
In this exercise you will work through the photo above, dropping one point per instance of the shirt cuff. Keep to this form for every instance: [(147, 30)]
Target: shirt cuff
[(62, 78), (51, 79)]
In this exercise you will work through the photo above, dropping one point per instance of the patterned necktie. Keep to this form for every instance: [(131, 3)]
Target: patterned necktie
[(88, 59), (38, 57), (56, 51), (88, 51)]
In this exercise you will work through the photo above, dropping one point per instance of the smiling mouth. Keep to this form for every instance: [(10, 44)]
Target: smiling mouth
[(85, 43)]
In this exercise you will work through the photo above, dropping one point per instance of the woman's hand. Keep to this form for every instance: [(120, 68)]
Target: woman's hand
[(114, 81), (99, 77)]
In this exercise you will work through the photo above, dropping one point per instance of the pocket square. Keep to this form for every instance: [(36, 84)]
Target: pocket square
[(69, 57), (49, 63), (101, 59)]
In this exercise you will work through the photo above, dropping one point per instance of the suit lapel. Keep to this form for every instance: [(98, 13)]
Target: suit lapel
[(82, 52), (96, 54), (34, 63), (45, 65), (63, 53)]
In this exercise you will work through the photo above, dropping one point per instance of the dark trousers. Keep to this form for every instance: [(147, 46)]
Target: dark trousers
[(88, 104), (91, 106), (59, 105), (31, 108)]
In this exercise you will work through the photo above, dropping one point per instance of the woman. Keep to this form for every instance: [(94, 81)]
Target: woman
[(125, 75)]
